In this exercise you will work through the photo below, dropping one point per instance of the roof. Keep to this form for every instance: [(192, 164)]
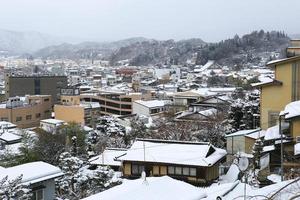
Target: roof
[(52, 121), (108, 157), (32, 172), (243, 132), (174, 152), (4, 124), (267, 83), (164, 187), (152, 103), (291, 110), (282, 61), (9, 136)]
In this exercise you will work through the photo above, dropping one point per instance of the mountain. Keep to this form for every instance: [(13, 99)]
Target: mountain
[(13, 42), (85, 49)]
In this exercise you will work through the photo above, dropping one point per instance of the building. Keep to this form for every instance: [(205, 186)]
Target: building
[(193, 162), (242, 142), (51, 125), (39, 176), (26, 111), (71, 109), (34, 85), (276, 94), (148, 108), (112, 102), (109, 157)]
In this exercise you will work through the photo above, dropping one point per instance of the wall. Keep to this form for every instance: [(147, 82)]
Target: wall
[(274, 98), (140, 109), (69, 113)]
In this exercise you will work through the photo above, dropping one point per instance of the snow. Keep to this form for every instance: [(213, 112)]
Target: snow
[(275, 178), (152, 103), (268, 148), (164, 188), (32, 172), (297, 149), (244, 132), (273, 132), (291, 110), (8, 125), (232, 174), (9, 136), (108, 157), (52, 121), (184, 153)]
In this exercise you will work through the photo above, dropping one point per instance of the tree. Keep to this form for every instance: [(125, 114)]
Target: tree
[(79, 181), (13, 189)]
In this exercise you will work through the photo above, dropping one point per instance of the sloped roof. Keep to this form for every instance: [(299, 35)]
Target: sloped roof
[(174, 152)]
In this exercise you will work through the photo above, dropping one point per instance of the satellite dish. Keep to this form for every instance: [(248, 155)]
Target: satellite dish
[(243, 163)]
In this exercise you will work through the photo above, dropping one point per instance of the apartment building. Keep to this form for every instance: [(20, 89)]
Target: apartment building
[(26, 111), (34, 85)]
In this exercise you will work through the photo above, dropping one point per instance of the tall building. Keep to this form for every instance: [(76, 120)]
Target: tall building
[(21, 85)]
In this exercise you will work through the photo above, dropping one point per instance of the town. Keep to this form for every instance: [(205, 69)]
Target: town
[(143, 119)]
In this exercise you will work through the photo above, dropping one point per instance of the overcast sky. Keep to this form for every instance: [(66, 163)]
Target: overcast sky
[(102, 20)]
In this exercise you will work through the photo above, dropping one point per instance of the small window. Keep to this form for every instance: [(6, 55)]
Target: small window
[(137, 169), (171, 170), (37, 115), (38, 195), (46, 99), (186, 171), (18, 119), (178, 170), (193, 171), (28, 117)]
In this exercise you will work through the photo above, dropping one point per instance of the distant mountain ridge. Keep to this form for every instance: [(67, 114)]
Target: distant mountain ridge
[(14, 42)]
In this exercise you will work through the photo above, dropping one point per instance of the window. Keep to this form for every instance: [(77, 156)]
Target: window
[(38, 195), (137, 169), (37, 115), (178, 170), (4, 119), (193, 171), (28, 117), (46, 99), (18, 119), (185, 171), (273, 118), (171, 170)]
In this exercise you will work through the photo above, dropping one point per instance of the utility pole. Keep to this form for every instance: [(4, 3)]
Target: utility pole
[(281, 145)]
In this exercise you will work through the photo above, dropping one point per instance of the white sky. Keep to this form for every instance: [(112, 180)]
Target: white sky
[(211, 20)]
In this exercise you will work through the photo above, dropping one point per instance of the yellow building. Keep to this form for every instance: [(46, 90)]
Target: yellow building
[(26, 111), (71, 109)]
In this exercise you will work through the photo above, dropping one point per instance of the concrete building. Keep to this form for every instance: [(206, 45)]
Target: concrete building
[(148, 108), (34, 85), (112, 102), (26, 111)]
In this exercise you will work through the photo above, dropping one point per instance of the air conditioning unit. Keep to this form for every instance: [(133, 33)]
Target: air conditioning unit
[(298, 139)]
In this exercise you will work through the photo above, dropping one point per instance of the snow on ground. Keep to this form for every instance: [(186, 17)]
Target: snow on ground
[(232, 174), (164, 188), (275, 178)]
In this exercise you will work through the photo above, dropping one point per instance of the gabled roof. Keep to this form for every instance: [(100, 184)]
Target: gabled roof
[(108, 157), (32, 172), (174, 152)]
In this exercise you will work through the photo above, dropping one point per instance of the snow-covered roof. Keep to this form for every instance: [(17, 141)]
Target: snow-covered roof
[(32, 172), (108, 157), (164, 187), (152, 103), (8, 125), (244, 133), (291, 110), (272, 133), (268, 148), (52, 121), (9, 136), (174, 152)]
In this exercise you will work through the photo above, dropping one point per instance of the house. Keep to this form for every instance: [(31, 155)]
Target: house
[(109, 157), (193, 162), (164, 187), (51, 125), (39, 176), (242, 142), (148, 108)]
